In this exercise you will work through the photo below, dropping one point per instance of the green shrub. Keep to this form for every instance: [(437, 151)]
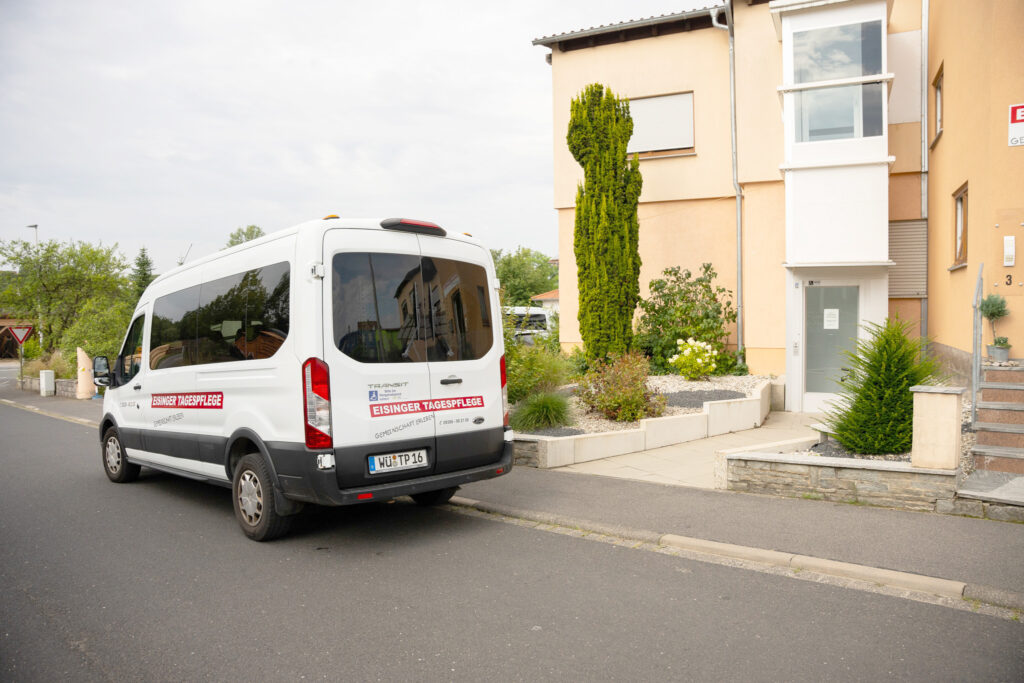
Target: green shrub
[(62, 368), (540, 411), (875, 410), (618, 389), (578, 363), (681, 306), (550, 343), (694, 359), (31, 347), (533, 370)]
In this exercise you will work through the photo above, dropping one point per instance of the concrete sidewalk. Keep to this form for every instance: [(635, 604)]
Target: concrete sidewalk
[(981, 553), (693, 463)]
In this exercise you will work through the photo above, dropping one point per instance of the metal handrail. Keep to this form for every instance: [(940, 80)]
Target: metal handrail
[(976, 348)]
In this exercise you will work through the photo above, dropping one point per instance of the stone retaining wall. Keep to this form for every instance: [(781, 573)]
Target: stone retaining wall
[(845, 480), (67, 388)]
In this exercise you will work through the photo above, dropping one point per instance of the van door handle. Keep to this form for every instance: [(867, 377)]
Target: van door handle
[(137, 387), (452, 380)]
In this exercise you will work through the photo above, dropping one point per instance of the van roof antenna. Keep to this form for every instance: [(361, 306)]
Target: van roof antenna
[(184, 256)]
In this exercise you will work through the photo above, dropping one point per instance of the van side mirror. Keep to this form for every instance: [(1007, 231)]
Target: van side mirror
[(101, 371)]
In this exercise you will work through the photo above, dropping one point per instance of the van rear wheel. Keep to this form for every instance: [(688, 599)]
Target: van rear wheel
[(117, 467), (253, 496), (439, 497)]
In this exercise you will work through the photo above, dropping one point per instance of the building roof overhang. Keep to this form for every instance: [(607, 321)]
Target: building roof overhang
[(635, 29)]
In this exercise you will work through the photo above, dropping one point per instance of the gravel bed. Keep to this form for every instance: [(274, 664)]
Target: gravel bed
[(682, 397)]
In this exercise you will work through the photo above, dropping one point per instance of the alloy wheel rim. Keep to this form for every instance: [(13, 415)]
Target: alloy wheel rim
[(250, 497)]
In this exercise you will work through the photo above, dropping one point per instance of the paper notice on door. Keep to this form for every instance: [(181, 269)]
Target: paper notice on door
[(831, 318)]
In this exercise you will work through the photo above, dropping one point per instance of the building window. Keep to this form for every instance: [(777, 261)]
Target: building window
[(960, 226), (937, 87), (840, 111), (661, 124)]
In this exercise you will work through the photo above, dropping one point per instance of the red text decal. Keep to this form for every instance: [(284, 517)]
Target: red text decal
[(210, 399), (407, 407)]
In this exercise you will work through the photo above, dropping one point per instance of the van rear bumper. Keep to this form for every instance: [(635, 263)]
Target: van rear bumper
[(321, 486)]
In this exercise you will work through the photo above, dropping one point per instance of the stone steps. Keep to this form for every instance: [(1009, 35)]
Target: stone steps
[(998, 489), (998, 458), (1000, 420)]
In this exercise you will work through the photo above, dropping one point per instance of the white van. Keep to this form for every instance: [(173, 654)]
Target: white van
[(530, 322), (335, 362)]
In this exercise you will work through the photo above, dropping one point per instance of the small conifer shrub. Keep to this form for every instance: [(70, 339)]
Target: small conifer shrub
[(875, 410)]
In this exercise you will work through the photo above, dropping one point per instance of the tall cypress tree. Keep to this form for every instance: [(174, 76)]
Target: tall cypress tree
[(607, 230)]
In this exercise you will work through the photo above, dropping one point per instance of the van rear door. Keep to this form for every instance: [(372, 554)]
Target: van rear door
[(374, 346), (465, 354)]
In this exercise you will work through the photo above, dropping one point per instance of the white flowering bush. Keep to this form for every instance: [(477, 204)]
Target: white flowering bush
[(694, 359)]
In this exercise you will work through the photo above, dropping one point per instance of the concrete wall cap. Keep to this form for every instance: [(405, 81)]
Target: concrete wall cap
[(926, 389), (842, 463)]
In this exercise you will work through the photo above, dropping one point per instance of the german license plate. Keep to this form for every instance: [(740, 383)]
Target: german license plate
[(393, 462)]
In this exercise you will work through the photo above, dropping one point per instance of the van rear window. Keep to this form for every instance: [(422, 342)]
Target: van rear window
[(402, 308)]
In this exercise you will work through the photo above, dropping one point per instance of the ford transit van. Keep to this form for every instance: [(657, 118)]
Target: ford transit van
[(333, 363)]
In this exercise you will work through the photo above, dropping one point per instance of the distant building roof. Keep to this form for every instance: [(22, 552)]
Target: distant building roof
[(546, 296), (632, 29)]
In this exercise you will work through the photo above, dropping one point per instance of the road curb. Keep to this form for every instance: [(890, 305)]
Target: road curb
[(49, 413), (560, 520), (875, 575)]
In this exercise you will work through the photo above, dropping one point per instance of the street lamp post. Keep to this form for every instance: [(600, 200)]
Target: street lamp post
[(39, 322)]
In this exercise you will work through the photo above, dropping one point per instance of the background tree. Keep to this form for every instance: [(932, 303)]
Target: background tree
[(242, 235), (55, 280), (142, 273), (607, 230), (524, 274)]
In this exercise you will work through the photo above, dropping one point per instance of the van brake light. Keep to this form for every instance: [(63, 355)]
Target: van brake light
[(316, 399), (410, 225), (504, 391)]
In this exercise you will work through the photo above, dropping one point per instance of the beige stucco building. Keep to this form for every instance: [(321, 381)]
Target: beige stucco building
[(848, 195)]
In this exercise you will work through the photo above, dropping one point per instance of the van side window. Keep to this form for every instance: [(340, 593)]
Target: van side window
[(400, 308), (234, 318), (172, 340), (244, 316), (130, 359)]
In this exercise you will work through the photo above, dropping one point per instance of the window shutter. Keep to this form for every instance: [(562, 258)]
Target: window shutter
[(908, 248)]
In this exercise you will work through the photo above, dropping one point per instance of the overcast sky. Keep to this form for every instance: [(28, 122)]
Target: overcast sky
[(165, 124)]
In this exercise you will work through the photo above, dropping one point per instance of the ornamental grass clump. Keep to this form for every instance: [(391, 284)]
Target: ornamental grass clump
[(541, 411), (695, 359), (875, 410), (618, 389)]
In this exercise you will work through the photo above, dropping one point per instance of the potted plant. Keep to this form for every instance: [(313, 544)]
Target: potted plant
[(993, 307)]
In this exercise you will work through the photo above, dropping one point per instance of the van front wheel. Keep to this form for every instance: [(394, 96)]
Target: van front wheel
[(253, 495), (439, 497), (117, 467)]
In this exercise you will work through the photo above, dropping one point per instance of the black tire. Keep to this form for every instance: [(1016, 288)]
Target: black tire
[(118, 469), (439, 497), (252, 492)]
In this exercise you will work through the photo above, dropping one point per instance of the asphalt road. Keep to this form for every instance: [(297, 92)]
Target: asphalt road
[(153, 581)]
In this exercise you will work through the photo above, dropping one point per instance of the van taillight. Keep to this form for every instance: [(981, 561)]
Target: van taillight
[(504, 391), (316, 399)]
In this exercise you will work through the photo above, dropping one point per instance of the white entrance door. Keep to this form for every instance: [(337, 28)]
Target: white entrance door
[(831, 321)]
